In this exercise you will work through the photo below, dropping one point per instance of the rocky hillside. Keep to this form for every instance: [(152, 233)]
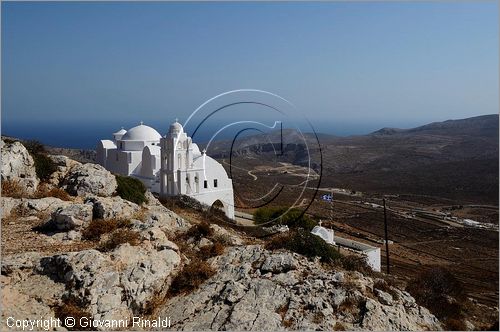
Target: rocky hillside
[(73, 247)]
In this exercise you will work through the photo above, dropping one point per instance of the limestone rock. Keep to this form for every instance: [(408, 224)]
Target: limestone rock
[(90, 179), (46, 205), (279, 263), (19, 262), (160, 216), (18, 165), (8, 204), (64, 166), (255, 289), (72, 216), (111, 207), (115, 285)]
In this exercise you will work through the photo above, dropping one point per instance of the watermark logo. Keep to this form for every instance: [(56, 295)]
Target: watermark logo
[(269, 148)]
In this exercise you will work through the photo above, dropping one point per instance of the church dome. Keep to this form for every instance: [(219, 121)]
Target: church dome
[(175, 128), (141, 133)]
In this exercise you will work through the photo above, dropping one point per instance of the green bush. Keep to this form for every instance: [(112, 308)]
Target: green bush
[(34, 147), (44, 166), (131, 189), (307, 244), (294, 218)]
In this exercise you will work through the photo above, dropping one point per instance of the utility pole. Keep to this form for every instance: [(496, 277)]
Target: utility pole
[(331, 208), (386, 239)]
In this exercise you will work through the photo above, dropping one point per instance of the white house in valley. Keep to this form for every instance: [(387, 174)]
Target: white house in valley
[(169, 165)]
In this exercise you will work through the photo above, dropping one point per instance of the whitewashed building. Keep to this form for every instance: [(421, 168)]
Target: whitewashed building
[(169, 165), (370, 253)]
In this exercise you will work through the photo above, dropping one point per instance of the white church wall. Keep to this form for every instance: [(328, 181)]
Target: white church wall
[(171, 165)]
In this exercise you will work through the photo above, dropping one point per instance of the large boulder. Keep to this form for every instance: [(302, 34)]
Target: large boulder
[(19, 166), (41, 206), (116, 285), (31, 206), (71, 217), (112, 207), (90, 179)]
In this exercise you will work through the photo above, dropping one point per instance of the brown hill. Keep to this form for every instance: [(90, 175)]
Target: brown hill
[(456, 159)]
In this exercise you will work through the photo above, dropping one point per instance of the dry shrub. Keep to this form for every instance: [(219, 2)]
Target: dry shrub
[(318, 318), (356, 263), (43, 191), (339, 327), (153, 305), (213, 250), (200, 230), (118, 237), (453, 324), (191, 277), (224, 239), (12, 188), (288, 323), (349, 304), (282, 310), (140, 214), (59, 193), (98, 227), (71, 309), (439, 291)]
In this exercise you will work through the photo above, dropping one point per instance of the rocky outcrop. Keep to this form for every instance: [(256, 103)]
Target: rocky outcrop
[(255, 289), (8, 205), (64, 166), (112, 207), (115, 285), (19, 166), (31, 206), (90, 179), (71, 217)]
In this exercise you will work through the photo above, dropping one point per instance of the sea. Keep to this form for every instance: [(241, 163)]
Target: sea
[(86, 134)]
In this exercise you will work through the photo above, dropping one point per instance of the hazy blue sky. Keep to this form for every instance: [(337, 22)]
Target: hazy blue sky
[(344, 64)]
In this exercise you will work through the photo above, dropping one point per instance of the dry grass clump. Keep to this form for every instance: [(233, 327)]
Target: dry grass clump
[(71, 309), (191, 277), (118, 237), (12, 188), (349, 304), (44, 191), (339, 327), (210, 251), (98, 227)]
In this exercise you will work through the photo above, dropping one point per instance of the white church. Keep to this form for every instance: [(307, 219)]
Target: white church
[(169, 165)]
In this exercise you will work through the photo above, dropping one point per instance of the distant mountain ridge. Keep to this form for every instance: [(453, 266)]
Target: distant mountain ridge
[(453, 158), (480, 125)]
